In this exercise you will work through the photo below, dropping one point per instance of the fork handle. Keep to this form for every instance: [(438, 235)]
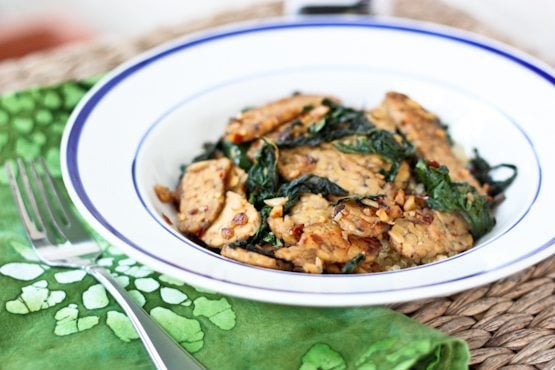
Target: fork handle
[(165, 352)]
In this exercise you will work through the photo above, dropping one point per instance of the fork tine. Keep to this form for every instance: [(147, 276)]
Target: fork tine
[(52, 188), (54, 219), (71, 226), (28, 223), (29, 192)]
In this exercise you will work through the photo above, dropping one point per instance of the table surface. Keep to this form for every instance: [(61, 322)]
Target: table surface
[(509, 324)]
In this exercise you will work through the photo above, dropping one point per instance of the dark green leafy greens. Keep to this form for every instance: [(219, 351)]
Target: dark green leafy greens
[(262, 183), (264, 234), (339, 122), (263, 178), (237, 153), (482, 170), (445, 127), (351, 265), (209, 151), (378, 142), (307, 184), (446, 195)]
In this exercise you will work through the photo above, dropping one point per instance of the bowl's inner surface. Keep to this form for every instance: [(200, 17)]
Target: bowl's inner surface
[(178, 135)]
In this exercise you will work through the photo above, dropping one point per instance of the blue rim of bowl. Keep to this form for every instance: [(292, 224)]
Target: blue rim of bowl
[(86, 109)]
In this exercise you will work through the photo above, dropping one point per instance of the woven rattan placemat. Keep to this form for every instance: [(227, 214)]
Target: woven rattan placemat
[(509, 324)]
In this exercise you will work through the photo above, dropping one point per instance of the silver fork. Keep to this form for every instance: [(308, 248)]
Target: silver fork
[(60, 240)]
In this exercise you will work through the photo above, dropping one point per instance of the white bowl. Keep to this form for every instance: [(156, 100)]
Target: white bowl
[(144, 120)]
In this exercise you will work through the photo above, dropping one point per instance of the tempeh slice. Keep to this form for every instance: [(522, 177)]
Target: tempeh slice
[(424, 234), (356, 173), (237, 221), (251, 258), (325, 243), (423, 129), (311, 209), (257, 122), (201, 194)]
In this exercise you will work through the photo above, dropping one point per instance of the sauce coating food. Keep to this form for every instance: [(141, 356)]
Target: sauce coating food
[(307, 184)]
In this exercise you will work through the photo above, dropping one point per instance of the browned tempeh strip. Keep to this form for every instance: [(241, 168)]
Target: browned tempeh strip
[(238, 220), (422, 128), (311, 209), (266, 118), (251, 258), (359, 220), (424, 234), (325, 243), (356, 173), (201, 194)]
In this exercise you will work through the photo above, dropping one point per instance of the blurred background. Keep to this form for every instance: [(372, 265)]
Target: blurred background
[(27, 26)]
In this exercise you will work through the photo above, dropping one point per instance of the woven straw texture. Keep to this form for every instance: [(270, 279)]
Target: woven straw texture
[(509, 324)]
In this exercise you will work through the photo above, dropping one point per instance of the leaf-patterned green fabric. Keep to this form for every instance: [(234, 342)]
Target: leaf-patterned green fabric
[(52, 318)]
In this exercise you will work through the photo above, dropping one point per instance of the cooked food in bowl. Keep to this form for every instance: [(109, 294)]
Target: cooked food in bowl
[(307, 184)]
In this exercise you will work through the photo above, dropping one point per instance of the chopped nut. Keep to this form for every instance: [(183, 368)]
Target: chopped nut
[(470, 197), (394, 212), (338, 211), (314, 268), (400, 197), (274, 202), (410, 203), (382, 215), (277, 211), (233, 181), (294, 174), (370, 203), (164, 194), (236, 180)]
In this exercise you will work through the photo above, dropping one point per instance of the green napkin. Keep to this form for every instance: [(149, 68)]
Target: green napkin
[(52, 318)]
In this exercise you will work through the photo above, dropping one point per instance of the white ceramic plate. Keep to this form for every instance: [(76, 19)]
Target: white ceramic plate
[(144, 120)]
